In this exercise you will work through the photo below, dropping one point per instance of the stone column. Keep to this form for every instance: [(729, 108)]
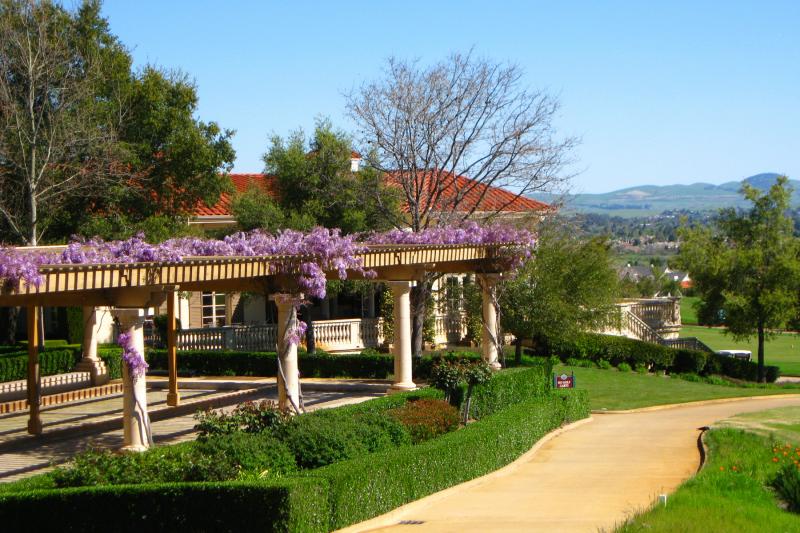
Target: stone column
[(401, 291), (90, 362), (135, 420), (489, 342), (288, 374)]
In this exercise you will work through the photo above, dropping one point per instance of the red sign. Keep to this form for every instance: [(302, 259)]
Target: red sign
[(564, 381)]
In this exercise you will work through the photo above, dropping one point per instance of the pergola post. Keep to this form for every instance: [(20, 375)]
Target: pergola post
[(173, 396), (34, 374), (489, 340), (135, 420), (90, 362), (288, 373), (401, 343)]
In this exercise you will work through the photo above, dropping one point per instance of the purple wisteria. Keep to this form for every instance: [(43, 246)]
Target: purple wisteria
[(469, 232), (131, 357), (312, 253)]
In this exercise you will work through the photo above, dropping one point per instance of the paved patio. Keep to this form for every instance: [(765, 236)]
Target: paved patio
[(72, 427)]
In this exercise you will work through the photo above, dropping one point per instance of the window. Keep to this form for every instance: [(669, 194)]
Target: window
[(213, 309)]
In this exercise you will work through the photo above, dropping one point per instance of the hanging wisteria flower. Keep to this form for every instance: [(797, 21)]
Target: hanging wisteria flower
[(307, 255), (137, 366)]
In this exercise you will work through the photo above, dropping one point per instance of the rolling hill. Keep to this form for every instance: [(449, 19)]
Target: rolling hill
[(653, 199)]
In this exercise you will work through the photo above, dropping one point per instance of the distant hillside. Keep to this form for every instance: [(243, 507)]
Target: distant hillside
[(653, 199)]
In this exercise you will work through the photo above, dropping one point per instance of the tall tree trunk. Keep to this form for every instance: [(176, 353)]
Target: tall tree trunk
[(517, 351), (761, 375), (9, 320)]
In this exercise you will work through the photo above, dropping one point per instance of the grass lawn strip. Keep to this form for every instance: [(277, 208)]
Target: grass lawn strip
[(782, 351), (732, 491), (615, 390)]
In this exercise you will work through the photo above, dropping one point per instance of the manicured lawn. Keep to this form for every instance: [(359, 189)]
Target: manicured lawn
[(688, 312), (783, 351), (612, 389), (731, 492)]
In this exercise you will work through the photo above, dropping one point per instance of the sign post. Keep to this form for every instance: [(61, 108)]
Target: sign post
[(564, 381)]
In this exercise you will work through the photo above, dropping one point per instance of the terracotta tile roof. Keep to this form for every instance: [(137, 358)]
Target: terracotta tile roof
[(241, 182), (486, 198), (481, 197)]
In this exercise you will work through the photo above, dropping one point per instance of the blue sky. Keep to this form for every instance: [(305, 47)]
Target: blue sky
[(674, 92)]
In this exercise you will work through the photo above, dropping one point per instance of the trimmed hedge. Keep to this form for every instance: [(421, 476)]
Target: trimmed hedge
[(289, 504), (53, 360), (509, 387), (616, 350), (362, 488), (368, 364)]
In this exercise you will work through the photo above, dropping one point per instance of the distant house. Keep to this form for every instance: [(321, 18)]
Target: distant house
[(679, 276), (635, 273)]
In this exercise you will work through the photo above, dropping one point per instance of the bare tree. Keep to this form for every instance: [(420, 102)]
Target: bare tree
[(55, 139), (448, 133)]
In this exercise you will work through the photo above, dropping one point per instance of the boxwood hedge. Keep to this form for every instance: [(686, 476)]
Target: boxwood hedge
[(616, 350), (366, 487), (289, 504), (57, 359)]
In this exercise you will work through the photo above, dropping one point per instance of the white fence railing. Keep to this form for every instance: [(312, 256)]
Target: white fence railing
[(344, 335)]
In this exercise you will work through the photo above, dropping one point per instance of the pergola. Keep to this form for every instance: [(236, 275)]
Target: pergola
[(130, 288)]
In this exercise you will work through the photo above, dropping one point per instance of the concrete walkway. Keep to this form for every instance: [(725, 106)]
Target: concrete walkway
[(586, 479)]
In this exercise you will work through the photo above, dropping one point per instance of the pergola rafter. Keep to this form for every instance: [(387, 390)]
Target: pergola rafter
[(137, 286)]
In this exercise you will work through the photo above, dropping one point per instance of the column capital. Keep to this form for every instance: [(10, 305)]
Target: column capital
[(399, 287), (128, 317), (285, 299)]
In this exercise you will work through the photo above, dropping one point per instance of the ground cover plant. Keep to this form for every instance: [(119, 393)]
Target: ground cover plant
[(734, 490)]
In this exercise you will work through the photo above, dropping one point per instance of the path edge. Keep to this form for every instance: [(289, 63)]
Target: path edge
[(696, 403), (390, 518)]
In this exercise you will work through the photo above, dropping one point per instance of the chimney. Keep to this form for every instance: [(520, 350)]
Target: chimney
[(355, 161)]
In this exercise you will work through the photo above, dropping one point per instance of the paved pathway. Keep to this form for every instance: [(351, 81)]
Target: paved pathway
[(586, 479), (20, 456)]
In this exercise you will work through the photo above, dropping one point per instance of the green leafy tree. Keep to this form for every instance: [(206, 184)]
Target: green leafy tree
[(568, 287), (315, 180), (746, 267)]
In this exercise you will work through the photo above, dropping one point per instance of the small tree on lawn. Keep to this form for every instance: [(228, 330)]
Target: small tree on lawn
[(745, 267), (569, 286)]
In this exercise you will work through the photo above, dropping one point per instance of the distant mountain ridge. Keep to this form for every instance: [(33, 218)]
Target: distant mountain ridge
[(647, 200)]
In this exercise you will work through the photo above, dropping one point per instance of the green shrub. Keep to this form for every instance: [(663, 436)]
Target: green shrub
[(641, 368), (319, 439), (273, 506), (605, 365), (365, 487), (112, 357), (692, 361), (787, 483), (509, 387), (257, 455), (655, 357), (426, 419), (624, 367), (75, 325), (165, 464), (248, 417), (56, 359)]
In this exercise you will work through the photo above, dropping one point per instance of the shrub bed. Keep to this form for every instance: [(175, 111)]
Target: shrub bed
[(57, 359), (426, 419), (616, 350), (365, 487), (290, 504)]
